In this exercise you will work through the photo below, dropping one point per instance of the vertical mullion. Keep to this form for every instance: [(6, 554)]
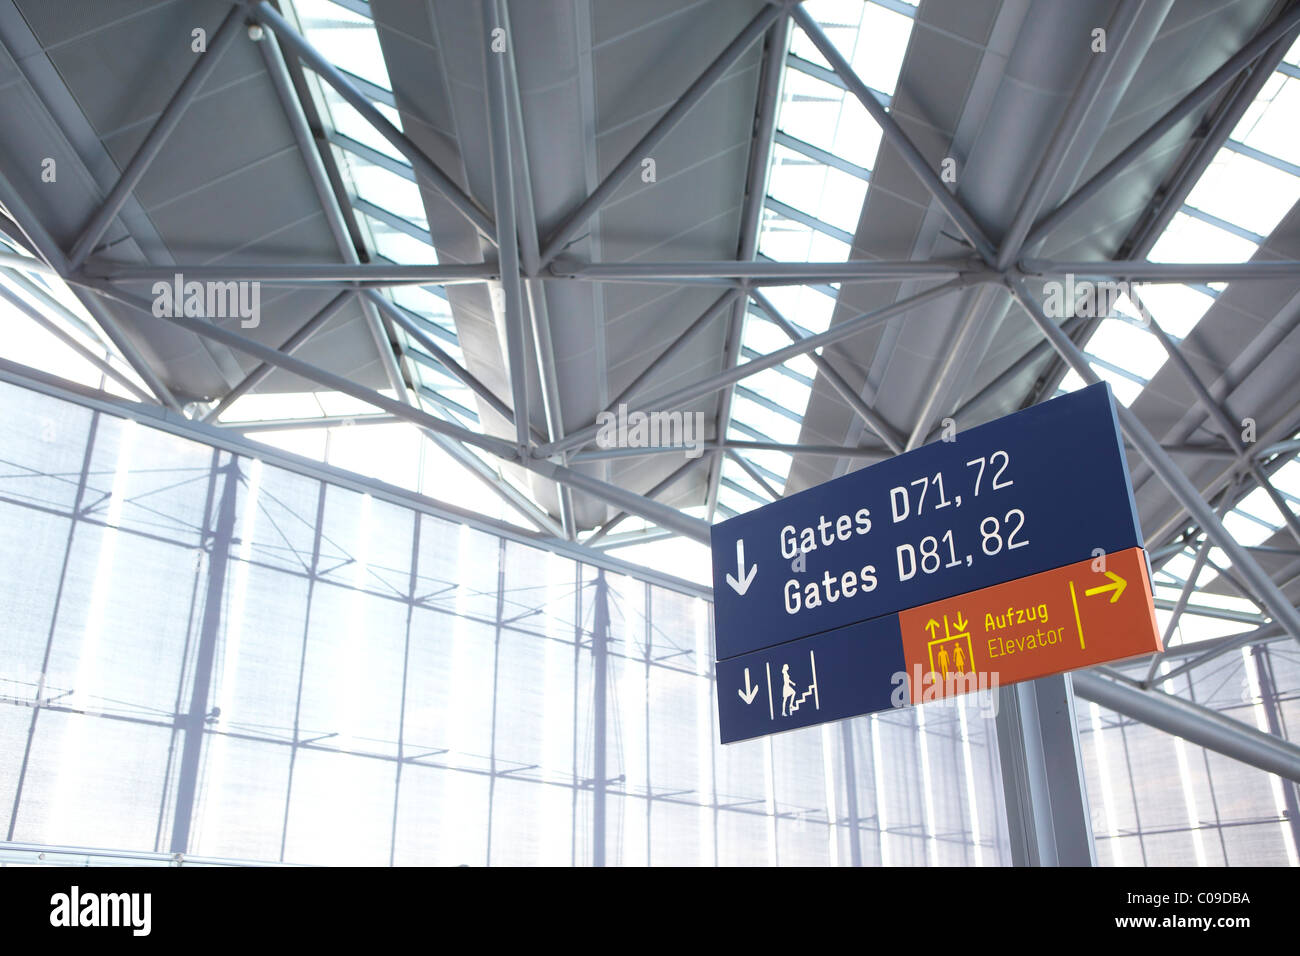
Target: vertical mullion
[(302, 660)]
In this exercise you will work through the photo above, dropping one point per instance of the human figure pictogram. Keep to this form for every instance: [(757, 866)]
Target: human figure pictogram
[(787, 690)]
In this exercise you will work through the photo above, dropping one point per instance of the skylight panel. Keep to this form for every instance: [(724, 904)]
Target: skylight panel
[(1245, 191), (1245, 530), (773, 424), (781, 389), (347, 38), (1260, 506), (396, 245), (1128, 347), (387, 190), (1191, 240), (1272, 123), (350, 123), (773, 463), (803, 306), (881, 44), (1176, 307), (730, 500), (1287, 479), (821, 191), (787, 240), (827, 117)]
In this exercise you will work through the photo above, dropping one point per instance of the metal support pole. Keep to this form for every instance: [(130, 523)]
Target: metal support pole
[(1270, 595), (291, 345), (1140, 270), (599, 716), (530, 256), (315, 275), (321, 421), (912, 156), (851, 792), (421, 163), (503, 205), (1195, 723), (646, 145), (156, 138), (192, 723), (1042, 774), (1273, 717), (826, 451), (766, 271)]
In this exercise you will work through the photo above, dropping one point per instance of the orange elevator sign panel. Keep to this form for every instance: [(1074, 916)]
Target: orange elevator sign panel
[(1079, 615)]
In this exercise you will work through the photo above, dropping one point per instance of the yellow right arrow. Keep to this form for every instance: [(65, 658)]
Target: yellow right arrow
[(1118, 586)]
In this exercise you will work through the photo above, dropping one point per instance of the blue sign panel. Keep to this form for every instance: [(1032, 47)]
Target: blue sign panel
[(853, 670), (1027, 493)]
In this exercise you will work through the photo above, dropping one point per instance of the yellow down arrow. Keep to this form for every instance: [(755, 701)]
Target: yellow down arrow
[(1118, 586)]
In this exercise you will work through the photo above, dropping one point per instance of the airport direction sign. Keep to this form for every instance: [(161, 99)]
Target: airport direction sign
[(1086, 613), (1082, 614), (1027, 493), (845, 672)]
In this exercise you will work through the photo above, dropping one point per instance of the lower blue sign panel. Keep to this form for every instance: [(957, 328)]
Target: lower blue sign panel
[(841, 673)]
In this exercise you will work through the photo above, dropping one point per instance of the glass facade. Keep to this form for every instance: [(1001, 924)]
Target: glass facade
[(1158, 800), (211, 654)]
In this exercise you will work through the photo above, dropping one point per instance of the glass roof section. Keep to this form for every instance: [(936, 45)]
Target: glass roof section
[(1249, 186), (824, 149), (390, 213), (1252, 182)]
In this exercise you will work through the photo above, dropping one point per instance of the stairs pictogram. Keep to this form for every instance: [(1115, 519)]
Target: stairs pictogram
[(795, 705)]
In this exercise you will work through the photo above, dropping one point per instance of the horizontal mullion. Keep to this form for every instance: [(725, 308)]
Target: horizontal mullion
[(403, 225), (822, 156), (808, 219)]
